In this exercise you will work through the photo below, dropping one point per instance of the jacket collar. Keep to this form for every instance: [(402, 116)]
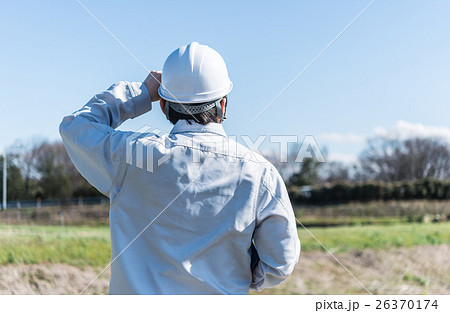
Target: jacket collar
[(182, 126)]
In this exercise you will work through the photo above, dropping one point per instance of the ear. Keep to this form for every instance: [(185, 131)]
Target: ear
[(164, 107), (162, 104), (223, 102)]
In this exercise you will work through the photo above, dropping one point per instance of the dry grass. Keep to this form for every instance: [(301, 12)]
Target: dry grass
[(373, 213), (387, 259), (417, 270), (46, 279)]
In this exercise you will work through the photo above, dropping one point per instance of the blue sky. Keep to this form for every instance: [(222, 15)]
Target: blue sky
[(388, 72)]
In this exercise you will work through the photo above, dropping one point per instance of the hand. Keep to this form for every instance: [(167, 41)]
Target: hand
[(152, 83)]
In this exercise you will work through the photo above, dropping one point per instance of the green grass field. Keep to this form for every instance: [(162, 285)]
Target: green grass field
[(346, 238), (83, 245), (74, 245)]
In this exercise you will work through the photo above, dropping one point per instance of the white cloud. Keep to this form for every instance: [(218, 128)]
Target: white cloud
[(342, 157), (401, 130), (404, 130), (342, 138)]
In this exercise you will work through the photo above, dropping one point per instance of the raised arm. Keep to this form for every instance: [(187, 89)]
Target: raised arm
[(89, 135)]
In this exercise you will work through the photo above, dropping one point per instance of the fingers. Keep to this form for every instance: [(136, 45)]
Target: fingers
[(156, 75), (152, 82), (153, 75)]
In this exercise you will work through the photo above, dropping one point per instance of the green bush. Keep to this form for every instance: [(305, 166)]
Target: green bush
[(373, 191)]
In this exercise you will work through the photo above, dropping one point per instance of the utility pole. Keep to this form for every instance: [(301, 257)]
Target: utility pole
[(4, 181)]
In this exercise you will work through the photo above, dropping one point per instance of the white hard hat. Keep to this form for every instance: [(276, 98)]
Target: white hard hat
[(194, 74)]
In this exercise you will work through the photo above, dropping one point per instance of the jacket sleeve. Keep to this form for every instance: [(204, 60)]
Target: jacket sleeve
[(275, 237), (90, 138)]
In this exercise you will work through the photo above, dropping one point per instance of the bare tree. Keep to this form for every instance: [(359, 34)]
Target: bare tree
[(286, 167), (47, 170), (333, 172), (28, 162), (410, 159)]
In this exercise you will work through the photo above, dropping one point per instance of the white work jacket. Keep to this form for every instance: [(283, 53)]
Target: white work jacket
[(185, 206)]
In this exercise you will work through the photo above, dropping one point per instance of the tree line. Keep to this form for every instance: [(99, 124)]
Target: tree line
[(44, 171), (415, 168), (343, 192), (387, 169)]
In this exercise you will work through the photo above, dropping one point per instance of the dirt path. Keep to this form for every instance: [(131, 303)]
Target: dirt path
[(418, 270)]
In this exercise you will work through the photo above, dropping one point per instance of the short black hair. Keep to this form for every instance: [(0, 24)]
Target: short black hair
[(203, 118)]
